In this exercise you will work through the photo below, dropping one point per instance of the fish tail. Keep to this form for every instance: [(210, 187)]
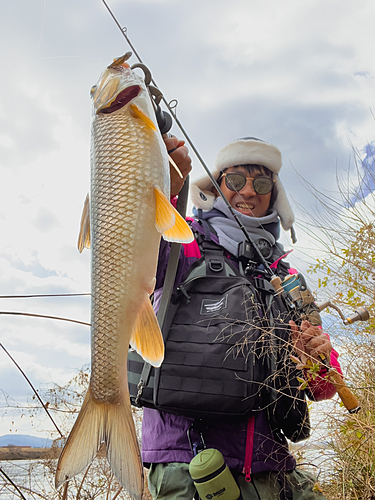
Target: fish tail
[(109, 423)]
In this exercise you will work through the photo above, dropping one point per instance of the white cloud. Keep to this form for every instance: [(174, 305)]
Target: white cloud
[(299, 74)]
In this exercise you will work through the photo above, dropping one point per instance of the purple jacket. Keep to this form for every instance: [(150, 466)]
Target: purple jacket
[(247, 444)]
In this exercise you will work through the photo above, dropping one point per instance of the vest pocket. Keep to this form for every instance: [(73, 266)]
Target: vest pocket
[(208, 370)]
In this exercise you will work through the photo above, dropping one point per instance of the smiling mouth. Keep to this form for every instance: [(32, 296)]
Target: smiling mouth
[(245, 206)]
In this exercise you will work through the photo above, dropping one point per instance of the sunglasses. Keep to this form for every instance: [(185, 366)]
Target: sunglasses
[(236, 181)]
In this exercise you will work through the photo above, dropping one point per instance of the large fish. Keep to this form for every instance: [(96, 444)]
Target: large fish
[(129, 210)]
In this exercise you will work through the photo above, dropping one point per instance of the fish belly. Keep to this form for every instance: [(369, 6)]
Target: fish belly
[(127, 162)]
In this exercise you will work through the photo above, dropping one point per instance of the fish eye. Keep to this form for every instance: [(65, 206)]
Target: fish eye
[(93, 88)]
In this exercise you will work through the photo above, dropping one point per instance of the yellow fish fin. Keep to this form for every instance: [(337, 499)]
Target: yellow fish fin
[(180, 232), (138, 113), (165, 212), (84, 237), (146, 338), (110, 423), (169, 221)]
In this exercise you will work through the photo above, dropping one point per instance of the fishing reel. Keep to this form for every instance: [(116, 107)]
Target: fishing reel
[(163, 118), (300, 299)]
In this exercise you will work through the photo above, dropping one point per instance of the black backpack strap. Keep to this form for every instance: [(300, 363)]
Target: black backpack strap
[(206, 225), (167, 287), (214, 257)]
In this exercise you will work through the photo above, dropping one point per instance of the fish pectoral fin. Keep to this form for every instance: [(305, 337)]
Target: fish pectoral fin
[(137, 112), (180, 232), (110, 423), (84, 237), (165, 212), (169, 221), (146, 338)]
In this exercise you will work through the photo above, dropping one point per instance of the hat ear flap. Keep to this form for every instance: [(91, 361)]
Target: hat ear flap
[(203, 200), (282, 206)]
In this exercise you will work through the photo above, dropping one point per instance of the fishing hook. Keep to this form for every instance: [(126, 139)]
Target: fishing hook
[(157, 95), (146, 72)]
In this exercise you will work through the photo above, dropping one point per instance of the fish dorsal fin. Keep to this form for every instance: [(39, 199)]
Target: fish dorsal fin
[(146, 338), (169, 221), (84, 237)]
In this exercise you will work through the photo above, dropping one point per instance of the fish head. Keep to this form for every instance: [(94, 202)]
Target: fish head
[(118, 86)]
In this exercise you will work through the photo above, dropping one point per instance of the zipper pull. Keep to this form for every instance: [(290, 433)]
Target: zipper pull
[(247, 471), (183, 291)]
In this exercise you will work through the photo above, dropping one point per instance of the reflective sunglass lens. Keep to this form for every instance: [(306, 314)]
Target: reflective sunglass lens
[(263, 185), (235, 182)]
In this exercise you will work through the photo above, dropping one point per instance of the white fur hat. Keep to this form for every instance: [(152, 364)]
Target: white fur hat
[(247, 150)]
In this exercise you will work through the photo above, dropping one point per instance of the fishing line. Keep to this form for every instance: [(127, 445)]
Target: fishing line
[(42, 30), (43, 295), (57, 410), (12, 483), (33, 388), (213, 180), (43, 316)]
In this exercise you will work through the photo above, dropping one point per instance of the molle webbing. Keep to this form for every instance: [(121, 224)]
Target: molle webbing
[(227, 350)]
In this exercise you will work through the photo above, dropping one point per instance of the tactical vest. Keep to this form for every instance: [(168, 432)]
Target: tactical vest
[(227, 350)]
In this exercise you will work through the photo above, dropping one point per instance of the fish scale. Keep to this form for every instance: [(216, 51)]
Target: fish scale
[(116, 231), (123, 220)]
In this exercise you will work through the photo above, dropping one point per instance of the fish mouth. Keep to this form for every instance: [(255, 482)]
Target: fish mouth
[(121, 99)]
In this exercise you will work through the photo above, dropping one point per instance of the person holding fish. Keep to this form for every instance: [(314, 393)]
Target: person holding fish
[(225, 386), (254, 446)]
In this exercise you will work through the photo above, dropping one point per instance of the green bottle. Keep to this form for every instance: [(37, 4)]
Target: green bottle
[(211, 476)]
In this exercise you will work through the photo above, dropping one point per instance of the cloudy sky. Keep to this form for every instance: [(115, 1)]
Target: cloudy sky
[(298, 74)]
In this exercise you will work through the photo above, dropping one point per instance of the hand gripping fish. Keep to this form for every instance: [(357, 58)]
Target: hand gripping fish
[(129, 211)]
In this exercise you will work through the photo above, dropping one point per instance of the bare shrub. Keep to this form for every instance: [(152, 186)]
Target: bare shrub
[(35, 478), (344, 228)]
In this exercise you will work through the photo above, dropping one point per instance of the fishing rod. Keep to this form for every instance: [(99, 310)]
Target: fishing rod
[(293, 289), (196, 152)]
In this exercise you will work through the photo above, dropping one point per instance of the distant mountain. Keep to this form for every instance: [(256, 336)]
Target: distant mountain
[(25, 440)]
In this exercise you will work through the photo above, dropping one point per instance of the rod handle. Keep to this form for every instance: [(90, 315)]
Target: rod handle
[(350, 401)]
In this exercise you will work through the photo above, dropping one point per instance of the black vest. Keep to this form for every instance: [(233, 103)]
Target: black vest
[(227, 350)]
